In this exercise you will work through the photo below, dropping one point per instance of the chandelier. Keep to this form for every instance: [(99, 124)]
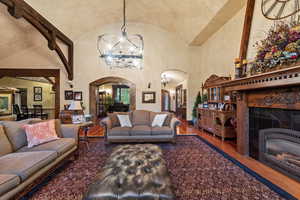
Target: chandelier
[(123, 50), (165, 80)]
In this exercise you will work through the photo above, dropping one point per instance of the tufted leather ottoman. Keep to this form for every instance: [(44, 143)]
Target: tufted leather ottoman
[(133, 172)]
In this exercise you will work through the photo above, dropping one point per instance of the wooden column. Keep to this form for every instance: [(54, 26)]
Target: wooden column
[(242, 124)]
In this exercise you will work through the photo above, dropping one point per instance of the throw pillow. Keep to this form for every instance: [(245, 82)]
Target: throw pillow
[(40, 133), (57, 125), (159, 120), (124, 120)]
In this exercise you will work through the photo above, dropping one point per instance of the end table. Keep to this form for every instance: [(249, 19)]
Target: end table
[(85, 127)]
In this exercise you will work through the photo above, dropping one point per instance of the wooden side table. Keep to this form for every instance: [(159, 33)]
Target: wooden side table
[(85, 127)]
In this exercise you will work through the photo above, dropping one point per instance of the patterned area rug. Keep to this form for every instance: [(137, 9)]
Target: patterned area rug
[(198, 172)]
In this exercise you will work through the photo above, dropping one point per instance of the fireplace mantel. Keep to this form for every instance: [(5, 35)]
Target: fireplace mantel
[(278, 89), (280, 78)]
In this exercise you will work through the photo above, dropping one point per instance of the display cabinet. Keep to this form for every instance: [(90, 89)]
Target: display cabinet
[(218, 114)]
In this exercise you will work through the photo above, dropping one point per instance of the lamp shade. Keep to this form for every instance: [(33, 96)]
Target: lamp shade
[(75, 105)]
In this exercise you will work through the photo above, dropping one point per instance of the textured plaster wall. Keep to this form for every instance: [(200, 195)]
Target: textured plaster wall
[(163, 50)]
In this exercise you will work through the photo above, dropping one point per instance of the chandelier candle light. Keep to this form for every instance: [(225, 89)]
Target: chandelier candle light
[(124, 50)]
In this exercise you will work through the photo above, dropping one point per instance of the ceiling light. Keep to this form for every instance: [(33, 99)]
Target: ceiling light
[(124, 50)]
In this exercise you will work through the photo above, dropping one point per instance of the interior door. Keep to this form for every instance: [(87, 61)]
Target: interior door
[(165, 101)]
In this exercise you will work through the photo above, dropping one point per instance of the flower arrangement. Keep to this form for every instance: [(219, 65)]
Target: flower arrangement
[(281, 48)]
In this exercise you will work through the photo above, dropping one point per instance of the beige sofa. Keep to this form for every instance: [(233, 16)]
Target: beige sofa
[(141, 131), (21, 167)]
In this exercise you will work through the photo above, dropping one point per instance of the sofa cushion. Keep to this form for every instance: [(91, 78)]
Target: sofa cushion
[(167, 120), (114, 117), (40, 133), (61, 146), (15, 133), (120, 131), (57, 125), (25, 164), (8, 182), (5, 146), (124, 121), (165, 130), (159, 120), (141, 117), (140, 130)]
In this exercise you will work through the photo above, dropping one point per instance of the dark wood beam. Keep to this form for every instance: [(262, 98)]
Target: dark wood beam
[(20, 9), (51, 82), (247, 29)]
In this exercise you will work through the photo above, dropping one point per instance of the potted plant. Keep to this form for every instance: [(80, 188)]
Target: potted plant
[(197, 102)]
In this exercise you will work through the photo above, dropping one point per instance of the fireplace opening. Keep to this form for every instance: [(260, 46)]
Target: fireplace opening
[(274, 139), (280, 149)]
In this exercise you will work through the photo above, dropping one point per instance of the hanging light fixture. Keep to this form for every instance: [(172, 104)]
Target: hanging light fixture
[(124, 50), (165, 80)]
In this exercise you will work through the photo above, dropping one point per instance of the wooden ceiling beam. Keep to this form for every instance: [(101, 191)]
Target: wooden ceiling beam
[(20, 9)]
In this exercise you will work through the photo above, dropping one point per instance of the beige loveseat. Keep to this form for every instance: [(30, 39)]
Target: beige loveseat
[(141, 131), (21, 166)]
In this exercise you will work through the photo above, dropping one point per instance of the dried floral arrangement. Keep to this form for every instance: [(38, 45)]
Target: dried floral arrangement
[(280, 49)]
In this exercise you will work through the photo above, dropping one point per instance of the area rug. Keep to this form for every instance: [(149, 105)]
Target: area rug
[(198, 170)]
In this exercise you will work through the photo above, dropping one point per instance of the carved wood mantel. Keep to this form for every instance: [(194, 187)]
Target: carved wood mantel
[(279, 89), (20, 9)]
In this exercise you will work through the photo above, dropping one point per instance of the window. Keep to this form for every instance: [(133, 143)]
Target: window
[(122, 95)]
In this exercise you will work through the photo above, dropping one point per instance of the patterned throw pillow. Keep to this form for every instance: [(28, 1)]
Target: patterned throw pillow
[(40, 133), (124, 121), (159, 120)]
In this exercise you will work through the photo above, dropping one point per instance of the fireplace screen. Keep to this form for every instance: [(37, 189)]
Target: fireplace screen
[(280, 149), (266, 118)]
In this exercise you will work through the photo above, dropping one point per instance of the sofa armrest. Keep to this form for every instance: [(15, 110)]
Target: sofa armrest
[(174, 124), (107, 124), (70, 131)]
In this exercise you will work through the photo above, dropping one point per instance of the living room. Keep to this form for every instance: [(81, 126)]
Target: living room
[(140, 99)]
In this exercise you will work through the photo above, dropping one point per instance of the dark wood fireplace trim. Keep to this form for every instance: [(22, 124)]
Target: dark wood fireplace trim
[(279, 89)]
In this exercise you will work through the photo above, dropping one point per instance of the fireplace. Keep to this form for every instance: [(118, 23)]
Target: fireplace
[(266, 118), (268, 122), (280, 149)]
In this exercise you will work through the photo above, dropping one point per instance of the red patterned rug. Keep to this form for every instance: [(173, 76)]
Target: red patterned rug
[(198, 172)]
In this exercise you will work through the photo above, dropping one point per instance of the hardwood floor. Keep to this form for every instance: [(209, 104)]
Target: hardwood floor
[(229, 147)]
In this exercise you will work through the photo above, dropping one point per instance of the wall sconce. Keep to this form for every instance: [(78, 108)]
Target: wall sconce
[(149, 85), (70, 83)]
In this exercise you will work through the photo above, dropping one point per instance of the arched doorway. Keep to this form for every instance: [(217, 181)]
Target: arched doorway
[(174, 91), (94, 92)]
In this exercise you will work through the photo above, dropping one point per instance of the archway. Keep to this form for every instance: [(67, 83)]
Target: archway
[(174, 85), (107, 80)]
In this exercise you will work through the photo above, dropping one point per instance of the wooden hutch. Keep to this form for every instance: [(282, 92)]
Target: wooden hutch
[(218, 114)]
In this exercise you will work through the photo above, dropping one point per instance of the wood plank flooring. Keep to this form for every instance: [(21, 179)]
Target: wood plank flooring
[(229, 147)]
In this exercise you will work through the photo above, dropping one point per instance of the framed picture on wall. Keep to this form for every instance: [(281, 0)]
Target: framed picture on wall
[(5, 104), (148, 97), (78, 96), (37, 93), (37, 90), (69, 95), (38, 97)]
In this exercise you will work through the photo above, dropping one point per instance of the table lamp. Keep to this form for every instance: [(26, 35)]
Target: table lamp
[(77, 116), (75, 106)]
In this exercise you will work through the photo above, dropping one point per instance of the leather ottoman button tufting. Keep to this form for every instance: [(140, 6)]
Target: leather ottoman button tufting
[(133, 172)]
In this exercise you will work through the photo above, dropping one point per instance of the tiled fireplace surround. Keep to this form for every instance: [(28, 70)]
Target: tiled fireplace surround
[(268, 116)]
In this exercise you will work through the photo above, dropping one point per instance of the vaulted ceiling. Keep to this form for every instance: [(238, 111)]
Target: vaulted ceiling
[(193, 20)]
